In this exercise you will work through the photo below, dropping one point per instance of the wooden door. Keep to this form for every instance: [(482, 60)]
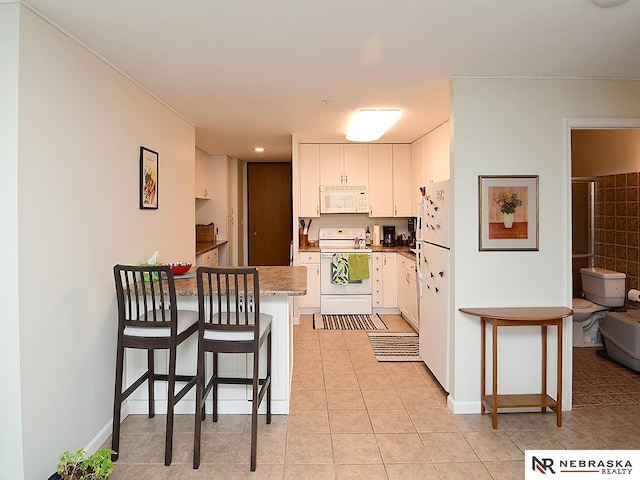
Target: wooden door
[(269, 212)]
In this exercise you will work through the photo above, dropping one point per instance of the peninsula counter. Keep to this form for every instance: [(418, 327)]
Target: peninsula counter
[(278, 284)]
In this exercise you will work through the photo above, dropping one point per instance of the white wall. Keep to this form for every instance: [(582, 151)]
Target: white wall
[(81, 124), (11, 451), (517, 127)]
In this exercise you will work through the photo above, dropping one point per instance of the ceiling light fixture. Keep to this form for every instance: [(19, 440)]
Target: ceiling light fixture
[(370, 124), (259, 149), (608, 3)]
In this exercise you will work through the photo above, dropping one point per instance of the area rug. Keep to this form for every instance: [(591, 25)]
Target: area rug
[(395, 346), (348, 322)]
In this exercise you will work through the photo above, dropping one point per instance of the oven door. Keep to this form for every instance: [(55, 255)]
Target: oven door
[(327, 287)]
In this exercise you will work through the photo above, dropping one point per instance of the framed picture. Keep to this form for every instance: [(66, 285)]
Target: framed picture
[(148, 178), (508, 212)]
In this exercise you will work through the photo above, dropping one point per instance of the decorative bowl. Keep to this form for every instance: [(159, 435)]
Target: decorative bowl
[(180, 268)]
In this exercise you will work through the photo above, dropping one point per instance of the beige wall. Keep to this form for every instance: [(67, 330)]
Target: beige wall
[(604, 152), (81, 124), (518, 127), (11, 451)]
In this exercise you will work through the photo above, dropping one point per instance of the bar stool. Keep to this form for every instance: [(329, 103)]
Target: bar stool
[(230, 322), (148, 318)]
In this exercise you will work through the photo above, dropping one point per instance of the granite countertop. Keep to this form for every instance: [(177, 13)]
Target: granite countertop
[(204, 247), (274, 281)]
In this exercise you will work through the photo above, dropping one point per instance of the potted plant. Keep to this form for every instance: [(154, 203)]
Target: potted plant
[(508, 202), (78, 467)]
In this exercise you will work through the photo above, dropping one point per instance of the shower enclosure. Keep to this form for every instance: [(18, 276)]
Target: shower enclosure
[(583, 220)]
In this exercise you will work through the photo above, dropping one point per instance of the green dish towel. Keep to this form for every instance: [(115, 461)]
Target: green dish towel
[(339, 269), (358, 266)]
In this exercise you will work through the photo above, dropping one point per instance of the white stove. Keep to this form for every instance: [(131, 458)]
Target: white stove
[(343, 240), (354, 297)]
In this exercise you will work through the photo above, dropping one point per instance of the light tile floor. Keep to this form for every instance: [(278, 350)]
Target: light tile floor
[(355, 418)]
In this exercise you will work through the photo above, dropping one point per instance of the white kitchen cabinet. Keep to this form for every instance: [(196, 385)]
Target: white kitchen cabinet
[(384, 277), (430, 161), (402, 180), (344, 164), (309, 180), (378, 281), (390, 280), (203, 175), (311, 260), (408, 291), (208, 259), (380, 180)]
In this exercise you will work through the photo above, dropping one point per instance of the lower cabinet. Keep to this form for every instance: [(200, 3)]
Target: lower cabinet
[(207, 259), (311, 260), (385, 288), (408, 291)]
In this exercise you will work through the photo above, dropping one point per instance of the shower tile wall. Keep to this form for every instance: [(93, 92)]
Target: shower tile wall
[(617, 225)]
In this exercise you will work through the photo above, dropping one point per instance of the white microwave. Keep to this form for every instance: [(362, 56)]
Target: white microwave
[(343, 199)]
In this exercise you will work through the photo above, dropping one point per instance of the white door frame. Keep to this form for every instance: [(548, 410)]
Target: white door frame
[(582, 123)]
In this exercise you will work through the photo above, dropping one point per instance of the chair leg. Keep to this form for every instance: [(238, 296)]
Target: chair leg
[(150, 383), (200, 381), (269, 377), (171, 391), (117, 400), (215, 386), (254, 410)]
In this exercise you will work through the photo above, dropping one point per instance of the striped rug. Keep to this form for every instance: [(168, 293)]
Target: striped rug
[(348, 322), (395, 346)]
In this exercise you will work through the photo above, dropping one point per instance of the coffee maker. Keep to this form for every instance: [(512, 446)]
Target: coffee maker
[(389, 236), (411, 224)]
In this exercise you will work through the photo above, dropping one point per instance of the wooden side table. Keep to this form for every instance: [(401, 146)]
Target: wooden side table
[(520, 317)]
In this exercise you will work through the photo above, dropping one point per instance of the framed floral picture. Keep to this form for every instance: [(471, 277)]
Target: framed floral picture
[(508, 212), (148, 178)]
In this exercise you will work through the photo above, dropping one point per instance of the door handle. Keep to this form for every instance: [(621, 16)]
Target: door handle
[(255, 234)]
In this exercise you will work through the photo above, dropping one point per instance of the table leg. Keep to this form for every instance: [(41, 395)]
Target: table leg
[(543, 329), (559, 375), (483, 356), (494, 393)]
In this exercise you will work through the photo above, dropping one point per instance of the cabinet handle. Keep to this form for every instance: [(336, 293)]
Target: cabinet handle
[(346, 180), (206, 192), (317, 210), (395, 211)]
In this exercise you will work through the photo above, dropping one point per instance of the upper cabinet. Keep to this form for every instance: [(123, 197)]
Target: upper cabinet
[(380, 178), (203, 174), (390, 180), (430, 161), (343, 164), (309, 180), (402, 180), (385, 169)]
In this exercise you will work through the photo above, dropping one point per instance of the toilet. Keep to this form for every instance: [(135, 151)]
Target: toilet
[(602, 289)]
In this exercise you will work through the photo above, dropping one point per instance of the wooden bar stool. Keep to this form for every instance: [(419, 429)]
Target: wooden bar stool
[(230, 322), (149, 319)]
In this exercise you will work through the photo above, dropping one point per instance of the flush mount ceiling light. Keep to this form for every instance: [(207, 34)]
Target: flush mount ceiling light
[(370, 124), (259, 149), (608, 3)]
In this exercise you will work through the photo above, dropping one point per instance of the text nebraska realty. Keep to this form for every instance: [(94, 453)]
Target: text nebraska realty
[(605, 467)]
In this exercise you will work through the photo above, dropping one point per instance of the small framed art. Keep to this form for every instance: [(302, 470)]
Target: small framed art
[(508, 212), (148, 178)]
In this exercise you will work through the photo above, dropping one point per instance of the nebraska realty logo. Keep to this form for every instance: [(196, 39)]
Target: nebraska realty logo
[(577, 464)]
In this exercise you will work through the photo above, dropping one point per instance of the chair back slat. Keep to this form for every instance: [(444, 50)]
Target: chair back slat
[(146, 296), (228, 298)]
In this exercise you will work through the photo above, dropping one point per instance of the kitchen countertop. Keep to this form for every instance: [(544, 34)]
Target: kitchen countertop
[(404, 250), (204, 247), (274, 281)]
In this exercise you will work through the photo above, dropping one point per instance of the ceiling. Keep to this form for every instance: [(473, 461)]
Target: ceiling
[(250, 73)]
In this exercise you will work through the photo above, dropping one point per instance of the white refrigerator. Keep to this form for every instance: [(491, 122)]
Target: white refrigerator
[(433, 260)]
